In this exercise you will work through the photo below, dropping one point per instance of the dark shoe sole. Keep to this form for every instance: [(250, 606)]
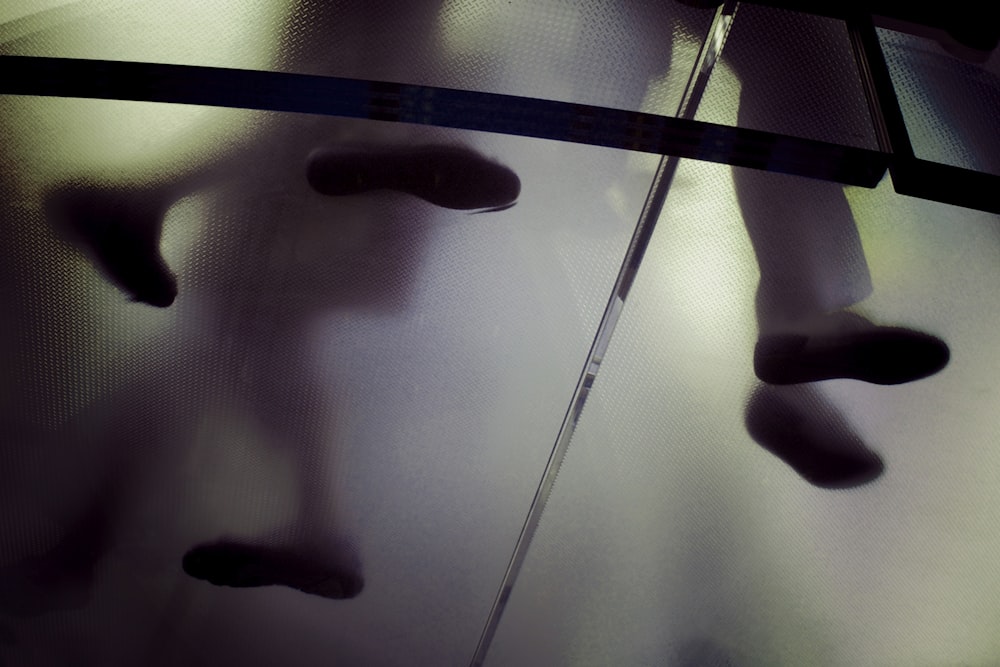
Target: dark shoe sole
[(883, 355), (449, 176), (808, 434), (238, 565)]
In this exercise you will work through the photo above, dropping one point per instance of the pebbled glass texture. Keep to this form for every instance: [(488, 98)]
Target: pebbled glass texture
[(791, 74), (381, 380), (369, 377), (672, 538), (950, 106), (599, 52)]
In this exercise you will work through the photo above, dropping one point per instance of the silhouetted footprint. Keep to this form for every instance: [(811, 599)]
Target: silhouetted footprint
[(449, 176), (120, 230), (228, 563), (799, 427), (860, 350)]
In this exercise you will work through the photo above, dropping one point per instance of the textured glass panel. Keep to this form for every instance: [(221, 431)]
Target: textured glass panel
[(635, 54), (369, 384), (950, 106), (672, 538), (789, 73)]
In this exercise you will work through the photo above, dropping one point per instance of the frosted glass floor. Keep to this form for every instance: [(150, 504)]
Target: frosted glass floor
[(380, 381), (803, 84), (672, 538), (373, 379)]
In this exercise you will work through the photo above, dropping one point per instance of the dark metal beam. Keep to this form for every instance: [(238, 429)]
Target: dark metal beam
[(443, 107)]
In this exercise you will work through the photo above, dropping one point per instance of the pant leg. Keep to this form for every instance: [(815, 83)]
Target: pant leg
[(802, 230)]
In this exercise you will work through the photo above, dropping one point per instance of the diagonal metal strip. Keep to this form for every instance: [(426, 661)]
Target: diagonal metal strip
[(710, 51)]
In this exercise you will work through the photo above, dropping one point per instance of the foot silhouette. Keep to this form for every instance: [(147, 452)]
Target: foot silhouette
[(120, 230), (853, 348), (449, 176), (800, 428), (230, 563)]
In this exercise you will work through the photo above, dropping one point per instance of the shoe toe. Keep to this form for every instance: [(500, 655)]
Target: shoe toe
[(811, 437)]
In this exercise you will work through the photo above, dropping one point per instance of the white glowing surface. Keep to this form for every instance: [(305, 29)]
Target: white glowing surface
[(668, 526)]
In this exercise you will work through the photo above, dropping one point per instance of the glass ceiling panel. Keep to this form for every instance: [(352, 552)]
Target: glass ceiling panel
[(358, 389)]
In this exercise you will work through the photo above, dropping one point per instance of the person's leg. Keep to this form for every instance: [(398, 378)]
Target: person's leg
[(812, 269), (811, 260), (310, 553), (808, 250)]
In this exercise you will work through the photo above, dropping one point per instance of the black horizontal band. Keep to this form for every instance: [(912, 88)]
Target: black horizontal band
[(443, 107)]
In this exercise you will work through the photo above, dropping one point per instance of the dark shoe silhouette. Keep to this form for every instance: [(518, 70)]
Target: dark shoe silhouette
[(862, 351), (120, 230), (800, 428), (237, 565), (448, 176)]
